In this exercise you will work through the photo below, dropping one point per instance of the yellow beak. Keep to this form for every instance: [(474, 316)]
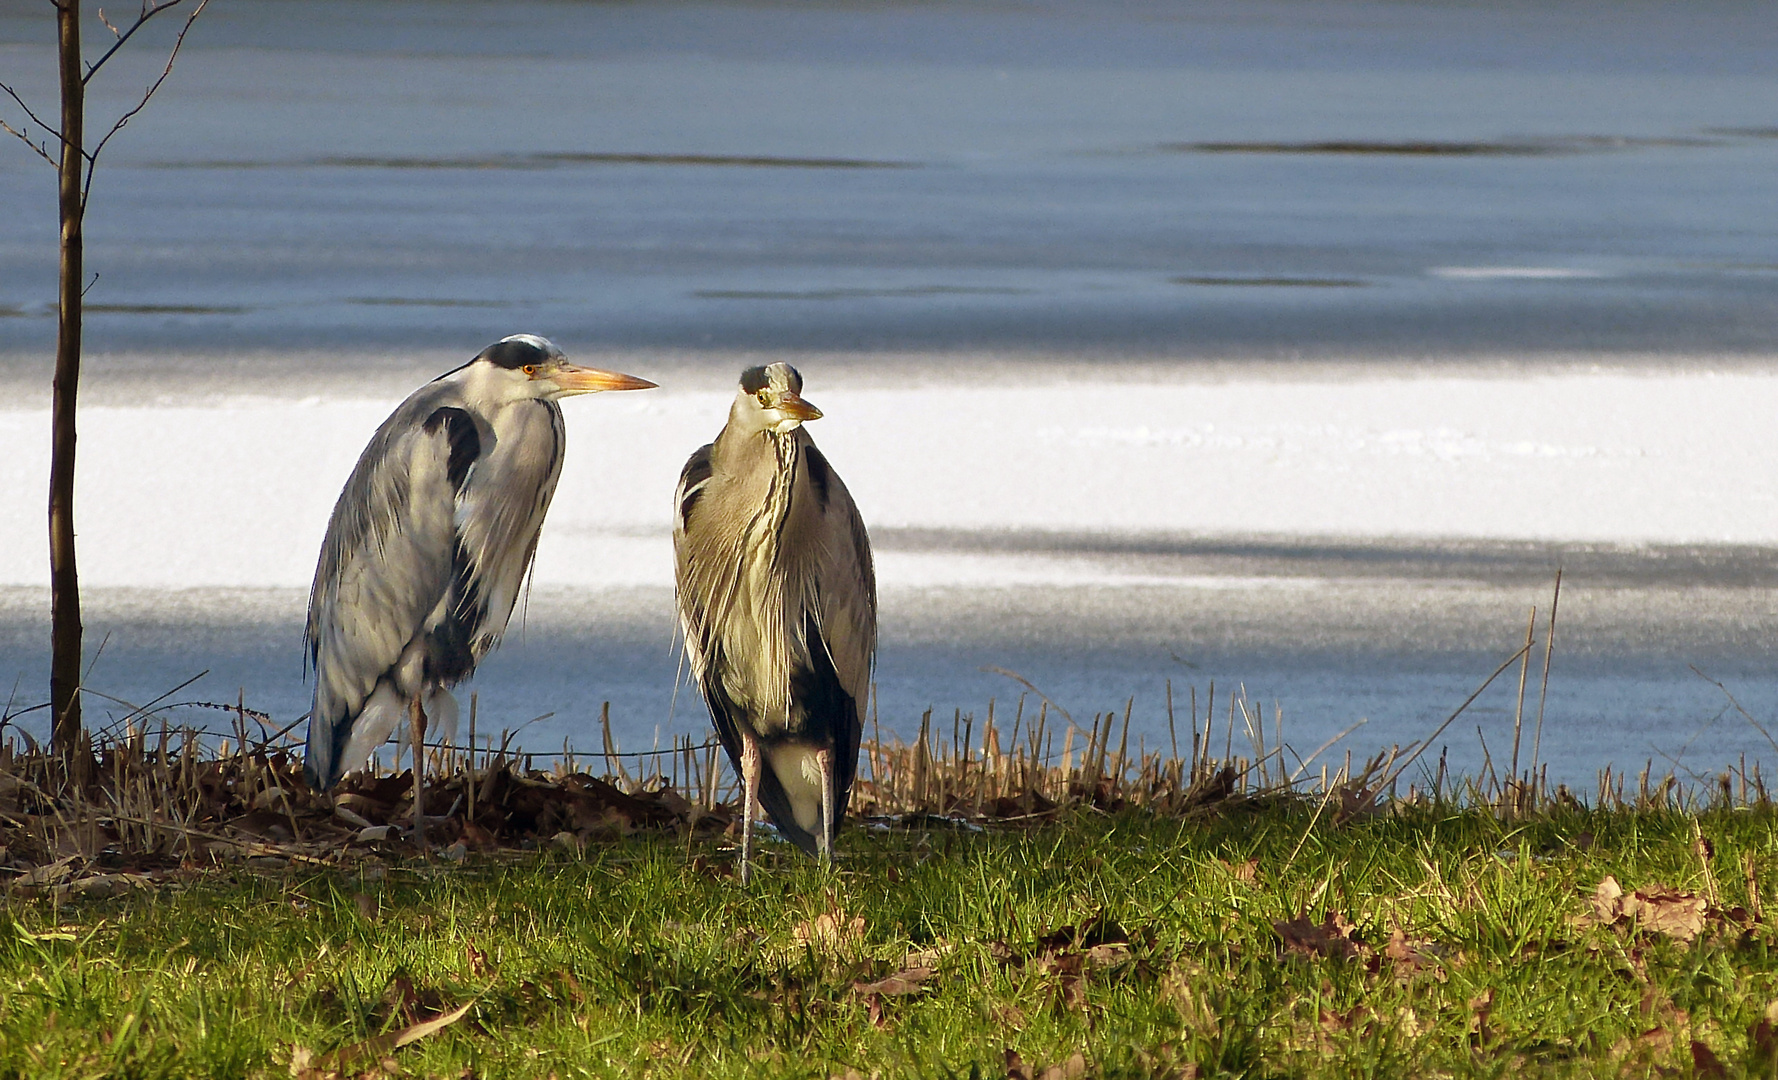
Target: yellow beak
[(575, 379), (793, 406)]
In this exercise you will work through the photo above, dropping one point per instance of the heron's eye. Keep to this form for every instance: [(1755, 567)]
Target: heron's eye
[(764, 399), (529, 369)]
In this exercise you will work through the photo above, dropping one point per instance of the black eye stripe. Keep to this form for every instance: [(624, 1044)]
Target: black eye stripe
[(513, 355)]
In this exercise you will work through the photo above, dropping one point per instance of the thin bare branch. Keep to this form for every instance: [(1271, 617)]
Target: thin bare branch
[(149, 11), (1026, 683), (35, 119), (41, 151), (114, 31), (172, 57)]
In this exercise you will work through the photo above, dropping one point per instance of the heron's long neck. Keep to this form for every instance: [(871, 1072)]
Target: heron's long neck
[(758, 580), (775, 508)]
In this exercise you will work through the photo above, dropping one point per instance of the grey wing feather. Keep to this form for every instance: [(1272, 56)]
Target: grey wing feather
[(697, 578), (847, 604), (500, 514), (385, 563), (848, 595)]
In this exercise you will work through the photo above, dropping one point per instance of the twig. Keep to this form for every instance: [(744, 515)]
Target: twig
[(149, 11), (1757, 726), (1294, 777), (1026, 683), (100, 651), (139, 710), (92, 159), (1440, 730), (22, 137), (35, 119), (251, 847), (1524, 670), (1549, 648)]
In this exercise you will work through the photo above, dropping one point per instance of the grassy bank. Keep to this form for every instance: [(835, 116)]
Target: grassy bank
[(1263, 940)]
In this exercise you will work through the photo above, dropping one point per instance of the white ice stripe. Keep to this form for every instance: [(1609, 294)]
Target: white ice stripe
[(1526, 273), (239, 494)]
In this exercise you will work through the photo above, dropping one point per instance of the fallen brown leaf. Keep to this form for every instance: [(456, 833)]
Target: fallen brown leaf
[(1705, 1064), (1408, 957), (477, 838), (1109, 954), (929, 956), (394, 1040), (1247, 872), (1655, 909), (1008, 1016), (1654, 1042), (906, 981), (1763, 1038), (1332, 938), (478, 960), (1481, 1008), (1679, 915), (1015, 1065), (830, 931), (1606, 900), (1072, 1069)]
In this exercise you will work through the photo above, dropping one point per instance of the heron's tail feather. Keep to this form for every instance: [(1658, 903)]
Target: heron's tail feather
[(778, 808), (346, 743)]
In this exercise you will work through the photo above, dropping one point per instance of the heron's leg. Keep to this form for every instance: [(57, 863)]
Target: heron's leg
[(824, 842), (749, 798), (418, 716)]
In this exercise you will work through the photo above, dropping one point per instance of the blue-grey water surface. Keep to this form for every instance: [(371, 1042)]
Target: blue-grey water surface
[(325, 191)]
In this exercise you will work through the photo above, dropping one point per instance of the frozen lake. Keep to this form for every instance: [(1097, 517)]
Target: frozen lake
[(1285, 345)]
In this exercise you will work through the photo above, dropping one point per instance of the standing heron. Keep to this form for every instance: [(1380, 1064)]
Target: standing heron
[(778, 601), (428, 547)]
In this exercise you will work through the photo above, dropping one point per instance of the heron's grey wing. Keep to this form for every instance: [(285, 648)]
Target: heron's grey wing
[(385, 563), (703, 572), (847, 599), (499, 516)]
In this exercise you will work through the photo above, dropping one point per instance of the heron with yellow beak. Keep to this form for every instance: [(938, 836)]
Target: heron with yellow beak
[(778, 604), (429, 545)]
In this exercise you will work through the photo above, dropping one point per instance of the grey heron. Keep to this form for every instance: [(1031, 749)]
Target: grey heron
[(428, 547), (778, 603)]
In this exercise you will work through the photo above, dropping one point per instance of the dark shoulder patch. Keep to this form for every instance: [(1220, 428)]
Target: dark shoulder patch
[(513, 354), (819, 475), (466, 445), (691, 482), (753, 380), (450, 646)]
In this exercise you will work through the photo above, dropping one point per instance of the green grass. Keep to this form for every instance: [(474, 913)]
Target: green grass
[(639, 959)]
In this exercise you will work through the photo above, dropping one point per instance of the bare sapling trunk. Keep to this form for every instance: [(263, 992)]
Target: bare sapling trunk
[(64, 578)]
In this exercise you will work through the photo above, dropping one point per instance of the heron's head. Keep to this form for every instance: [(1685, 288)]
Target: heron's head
[(529, 366), (770, 399)]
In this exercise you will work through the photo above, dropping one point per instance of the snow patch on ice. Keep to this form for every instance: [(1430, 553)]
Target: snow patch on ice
[(237, 493)]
